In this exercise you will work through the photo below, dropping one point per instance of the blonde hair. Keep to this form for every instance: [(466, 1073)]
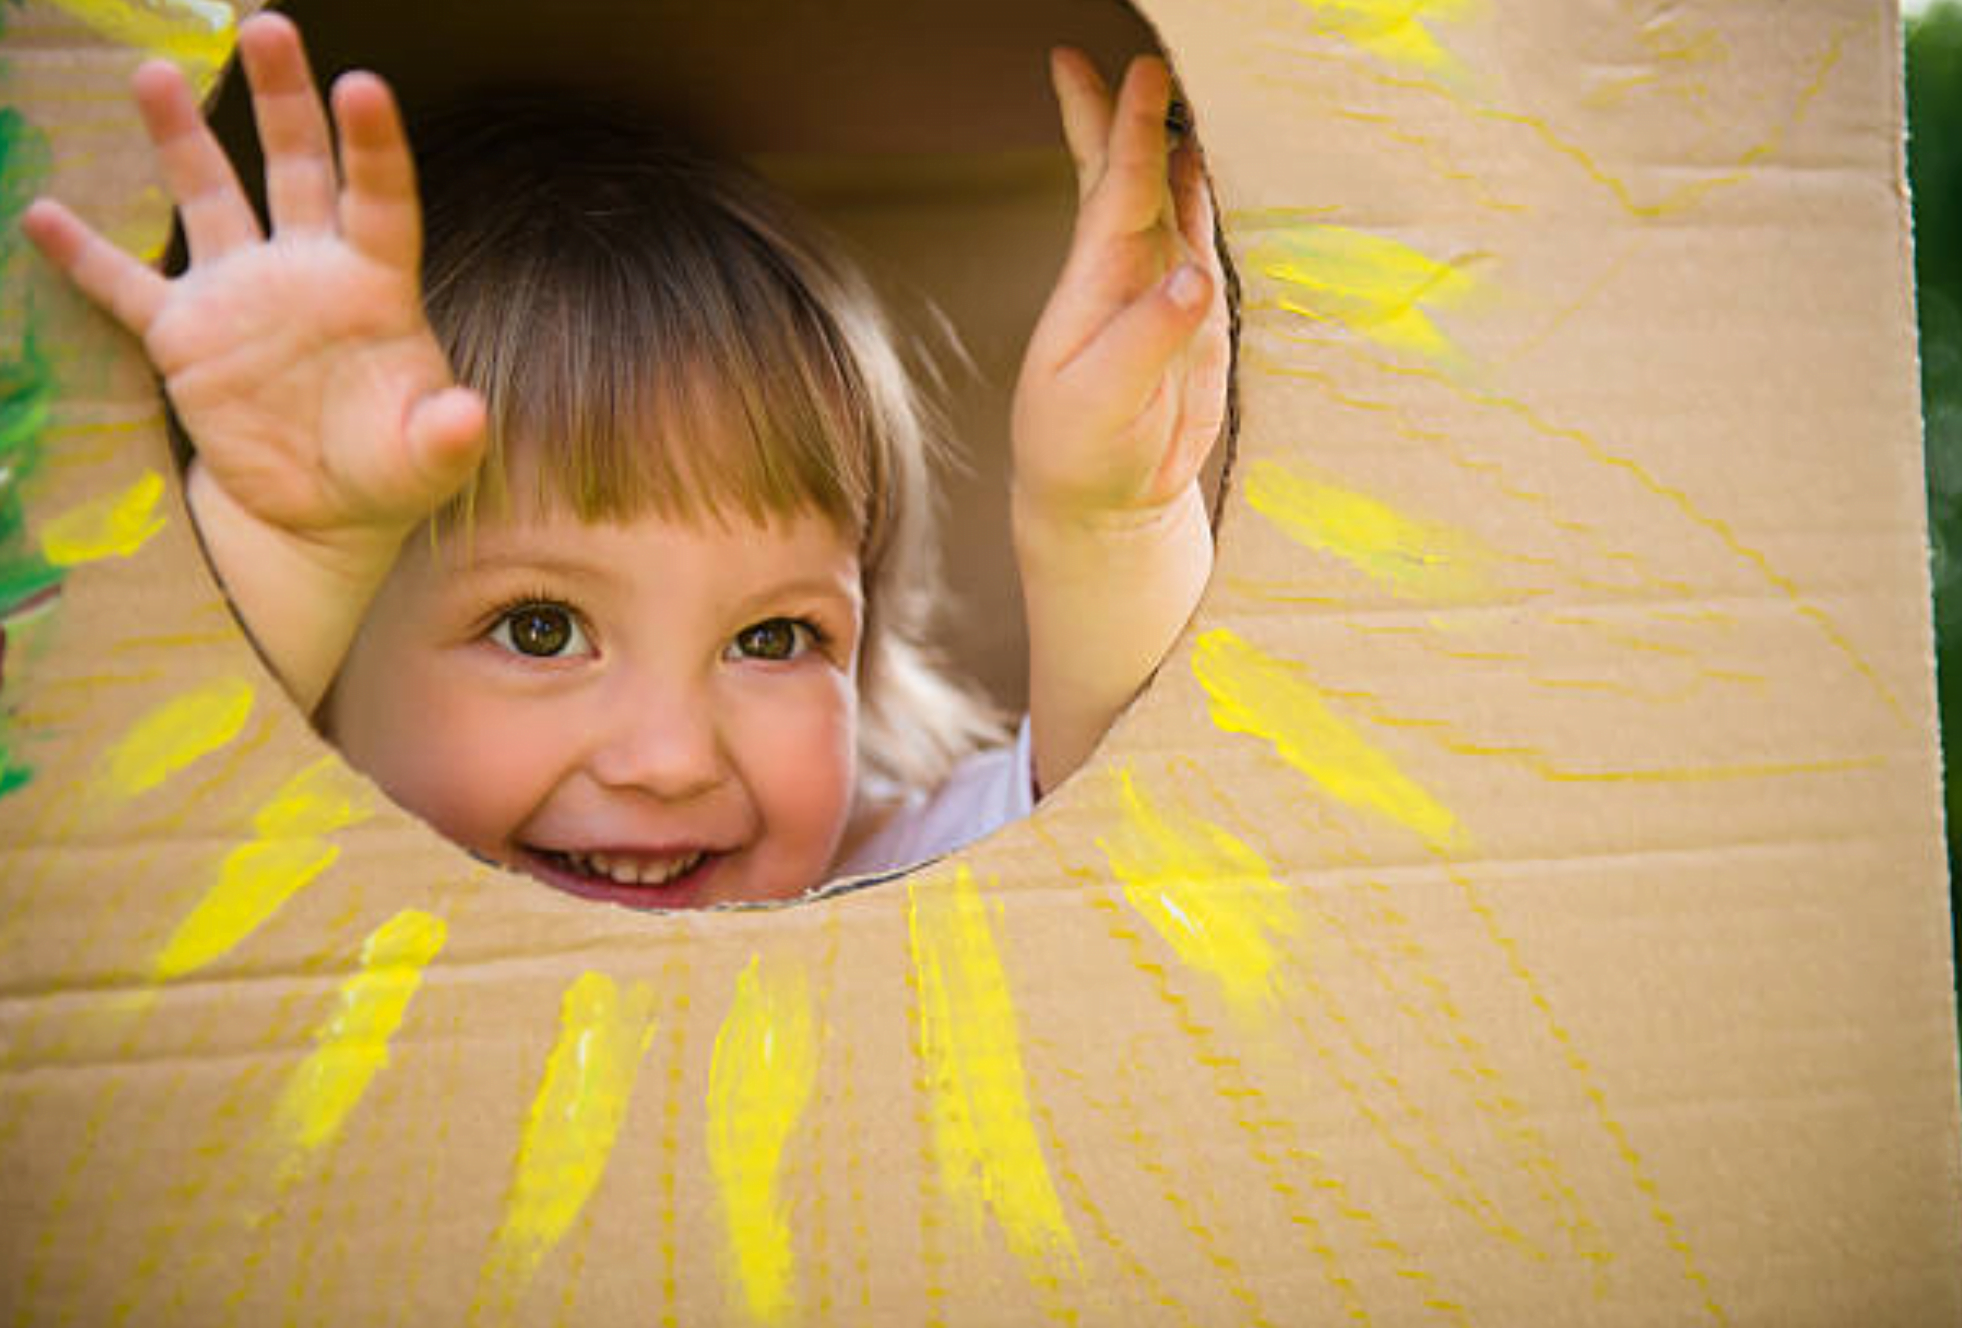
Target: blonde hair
[(663, 333)]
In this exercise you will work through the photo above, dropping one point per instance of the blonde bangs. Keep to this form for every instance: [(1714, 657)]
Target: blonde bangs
[(656, 333), (627, 380)]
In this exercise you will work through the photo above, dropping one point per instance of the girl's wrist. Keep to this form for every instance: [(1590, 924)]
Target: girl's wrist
[(300, 599), (355, 557), (1093, 540)]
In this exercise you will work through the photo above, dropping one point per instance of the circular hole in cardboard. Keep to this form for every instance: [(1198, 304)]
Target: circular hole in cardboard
[(926, 138)]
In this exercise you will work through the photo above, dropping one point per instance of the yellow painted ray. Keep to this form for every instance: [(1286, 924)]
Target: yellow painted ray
[(989, 1158), (1395, 31), (142, 228), (289, 850), (351, 1046), (1414, 559), (1369, 285), (760, 1080), (176, 734), (1208, 894), (1259, 694), (569, 1134), (114, 525), (198, 34)]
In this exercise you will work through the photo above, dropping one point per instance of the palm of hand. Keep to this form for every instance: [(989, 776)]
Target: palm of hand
[(321, 406), (1158, 453), (289, 360)]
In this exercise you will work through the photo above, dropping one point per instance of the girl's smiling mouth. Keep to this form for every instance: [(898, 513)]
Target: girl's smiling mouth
[(635, 878)]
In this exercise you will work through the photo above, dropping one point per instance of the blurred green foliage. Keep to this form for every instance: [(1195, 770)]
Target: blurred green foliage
[(1934, 116)]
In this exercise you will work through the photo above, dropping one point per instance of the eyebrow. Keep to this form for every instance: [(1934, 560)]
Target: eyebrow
[(810, 587), (813, 587), (497, 564)]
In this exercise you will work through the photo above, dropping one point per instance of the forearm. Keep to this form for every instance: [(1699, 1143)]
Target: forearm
[(1104, 604), (300, 603)]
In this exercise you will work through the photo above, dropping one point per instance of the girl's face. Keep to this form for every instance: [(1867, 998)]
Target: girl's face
[(655, 714)]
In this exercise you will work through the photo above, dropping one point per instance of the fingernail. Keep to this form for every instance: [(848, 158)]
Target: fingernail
[(1187, 286), (1178, 122)]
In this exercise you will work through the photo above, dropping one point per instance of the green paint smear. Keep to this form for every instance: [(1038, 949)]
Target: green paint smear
[(23, 579), (26, 395), (24, 163), (12, 776), (26, 392)]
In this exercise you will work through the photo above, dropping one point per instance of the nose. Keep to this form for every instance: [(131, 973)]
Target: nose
[(659, 738)]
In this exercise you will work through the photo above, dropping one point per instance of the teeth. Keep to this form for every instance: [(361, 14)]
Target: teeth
[(627, 869)]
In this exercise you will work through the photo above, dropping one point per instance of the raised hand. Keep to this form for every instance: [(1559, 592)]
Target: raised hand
[(1123, 388), (325, 417), (1121, 397)]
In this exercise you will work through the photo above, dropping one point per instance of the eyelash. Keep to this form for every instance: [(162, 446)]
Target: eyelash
[(501, 616), (817, 638)]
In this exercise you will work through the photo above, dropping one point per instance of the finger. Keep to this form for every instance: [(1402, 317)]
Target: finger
[(300, 183), (1083, 99), (1131, 196), (379, 212), (445, 434), (1129, 359), (128, 291), (1192, 199), (216, 216)]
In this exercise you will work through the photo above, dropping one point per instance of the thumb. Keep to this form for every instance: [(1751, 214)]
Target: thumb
[(445, 434), (1137, 346)]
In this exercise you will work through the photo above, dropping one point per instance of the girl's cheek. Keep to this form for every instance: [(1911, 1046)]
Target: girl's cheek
[(807, 724)]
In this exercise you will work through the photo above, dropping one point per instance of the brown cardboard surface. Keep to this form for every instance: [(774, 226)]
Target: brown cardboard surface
[(1519, 899)]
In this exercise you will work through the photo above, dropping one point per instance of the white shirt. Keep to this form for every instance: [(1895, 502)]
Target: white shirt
[(986, 791)]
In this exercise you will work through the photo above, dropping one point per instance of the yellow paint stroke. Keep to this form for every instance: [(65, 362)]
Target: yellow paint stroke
[(1544, 506), (198, 34), (351, 1046), (1584, 1073), (115, 525), (1678, 199), (1415, 559), (989, 1158), (1209, 895), (1392, 30), (143, 229), (1449, 736), (1600, 453), (1430, 1002), (1266, 697), (84, 443), (175, 735), (1677, 47), (760, 1079), (1297, 1176), (1371, 286), (260, 875), (569, 1135)]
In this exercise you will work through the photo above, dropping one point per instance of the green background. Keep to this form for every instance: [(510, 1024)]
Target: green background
[(1934, 115)]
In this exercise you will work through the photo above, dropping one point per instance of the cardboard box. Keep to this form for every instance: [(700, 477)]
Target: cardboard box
[(1519, 900)]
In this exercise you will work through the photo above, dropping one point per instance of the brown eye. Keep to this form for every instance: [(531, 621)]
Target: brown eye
[(540, 631), (772, 639)]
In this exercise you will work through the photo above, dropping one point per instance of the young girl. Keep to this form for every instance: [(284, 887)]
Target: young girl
[(598, 538)]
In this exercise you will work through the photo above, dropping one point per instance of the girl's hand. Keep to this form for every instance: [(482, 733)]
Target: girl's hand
[(1123, 389), (1121, 397), (326, 420)]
